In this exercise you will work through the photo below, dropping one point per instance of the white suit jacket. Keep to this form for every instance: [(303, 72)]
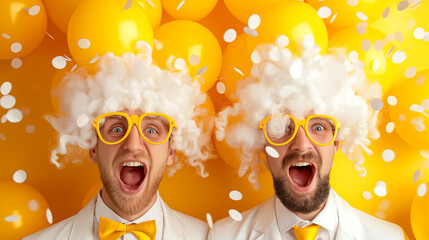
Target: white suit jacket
[(260, 223), (80, 226)]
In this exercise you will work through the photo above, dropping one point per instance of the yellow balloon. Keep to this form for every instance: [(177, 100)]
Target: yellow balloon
[(23, 210), (100, 26), (295, 21), (153, 10), (370, 49), (410, 114), (343, 14), (23, 28), (419, 215), (243, 9), (236, 65), (183, 44), (188, 10), (61, 11)]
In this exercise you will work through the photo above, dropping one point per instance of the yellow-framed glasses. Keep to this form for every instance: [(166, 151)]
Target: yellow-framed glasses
[(112, 128), (281, 129)]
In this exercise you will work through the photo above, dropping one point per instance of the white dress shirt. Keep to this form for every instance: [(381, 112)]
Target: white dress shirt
[(154, 213), (327, 219)]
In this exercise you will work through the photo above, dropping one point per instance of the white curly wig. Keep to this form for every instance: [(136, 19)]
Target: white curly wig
[(132, 82), (299, 85)]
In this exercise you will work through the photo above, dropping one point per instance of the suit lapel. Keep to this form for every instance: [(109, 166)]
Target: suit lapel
[(83, 223), (266, 224), (348, 224), (172, 226)]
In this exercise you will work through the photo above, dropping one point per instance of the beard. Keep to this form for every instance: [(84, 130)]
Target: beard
[(308, 204), (127, 204)]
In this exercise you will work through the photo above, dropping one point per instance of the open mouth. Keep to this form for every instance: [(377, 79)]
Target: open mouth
[(132, 175), (302, 173)]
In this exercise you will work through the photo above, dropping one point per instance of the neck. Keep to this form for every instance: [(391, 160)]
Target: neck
[(310, 216)]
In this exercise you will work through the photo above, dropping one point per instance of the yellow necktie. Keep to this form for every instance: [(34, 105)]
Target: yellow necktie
[(112, 230), (306, 233)]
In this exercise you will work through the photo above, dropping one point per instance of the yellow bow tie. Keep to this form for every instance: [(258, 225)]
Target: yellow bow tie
[(112, 230), (306, 233)]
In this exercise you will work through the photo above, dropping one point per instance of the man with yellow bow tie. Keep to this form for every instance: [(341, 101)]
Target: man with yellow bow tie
[(297, 109), (133, 118)]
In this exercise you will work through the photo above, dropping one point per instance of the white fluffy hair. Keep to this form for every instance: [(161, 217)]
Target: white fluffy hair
[(300, 85), (132, 82)]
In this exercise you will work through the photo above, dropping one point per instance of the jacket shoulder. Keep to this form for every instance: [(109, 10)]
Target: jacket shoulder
[(60, 230), (373, 226), (190, 227)]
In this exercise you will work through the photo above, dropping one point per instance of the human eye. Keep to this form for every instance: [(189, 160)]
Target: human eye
[(318, 127), (151, 130), (117, 129)]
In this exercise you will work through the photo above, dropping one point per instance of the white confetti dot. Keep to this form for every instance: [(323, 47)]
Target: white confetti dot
[(380, 215), (378, 45), (179, 64), (386, 12), (16, 47), (220, 87), (194, 60), (255, 57), (16, 63), (180, 5), (20, 176), (309, 41), (324, 12), (14, 115), (416, 176), (390, 127), (399, 56), (419, 127), (209, 220), (353, 56), (30, 129), (235, 195), (401, 117), (362, 25), (376, 104), (420, 80), (272, 152), (282, 41), (254, 21), (424, 154), (6, 87), (367, 195), (392, 100), (49, 215), (399, 37), (388, 155), (95, 59), (25, 111), (333, 17), (375, 65), (384, 205), (251, 32), (410, 25), (128, 4), (425, 104), (361, 30), (380, 189), (402, 5), (229, 35), (202, 71), (84, 43), (2, 137), (239, 71), (422, 189), (361, 16), (390, 50), (426, 37), (4, 118), (7, 102), (366, 45), (352, 2), (410, 72), (416, 108), (82, 120), (34, 10), (12, 218), (59, 62), (235, 215), (295, 69), (33, 205), (5, 35), (419, 33)]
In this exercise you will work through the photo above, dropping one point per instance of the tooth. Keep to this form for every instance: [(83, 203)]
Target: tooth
[(301, 164), (132, 164)]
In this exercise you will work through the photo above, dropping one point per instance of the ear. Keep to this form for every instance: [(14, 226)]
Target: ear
[(337, 145), (170, 157), (93, 154)]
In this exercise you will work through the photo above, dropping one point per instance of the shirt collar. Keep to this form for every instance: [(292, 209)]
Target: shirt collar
[(327, 218)]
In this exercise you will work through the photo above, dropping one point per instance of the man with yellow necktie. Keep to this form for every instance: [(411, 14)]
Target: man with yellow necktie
[(133, 118), (297, 109)]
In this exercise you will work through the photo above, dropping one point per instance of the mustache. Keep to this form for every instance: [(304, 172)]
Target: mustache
[(295, 156)]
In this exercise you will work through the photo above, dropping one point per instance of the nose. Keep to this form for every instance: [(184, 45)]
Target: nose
[(134, 141), (301, 143)]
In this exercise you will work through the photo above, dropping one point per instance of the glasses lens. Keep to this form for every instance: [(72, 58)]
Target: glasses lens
[(155, 128), (321, 129), (280, 129), (113, 128)]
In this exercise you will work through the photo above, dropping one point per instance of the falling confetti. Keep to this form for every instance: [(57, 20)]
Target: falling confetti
[(324, 12), (235, 215), (128, 4), (202, 71), (375, 65), (388, 155), (367, 195), (5, 35), (30, 129), (402, 5), (209, 220), (7, 102), (362, 16), (235, 195), (366, 45), (179, 64), (59, 62), (392, 100), (420, 80), (378, 45), (16, 47), (282, 41), (194, 60), (49, 215), (5, 88), (416, 176), (386, 12), (84, 43), (239, 71), (20, 176), (376, 104), (353, 56), (410, 72), (333, 17), (229, 35), (14, 115), (34, 10), (422, 189), (419, 33), (255, 57), (33, 205), (399, 57), (180, 5), (16, 63), (352, 2), (380, 189), (272, 152), (12, 218), (254, 21), (390, 127), (250, 32), (220, 87)]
